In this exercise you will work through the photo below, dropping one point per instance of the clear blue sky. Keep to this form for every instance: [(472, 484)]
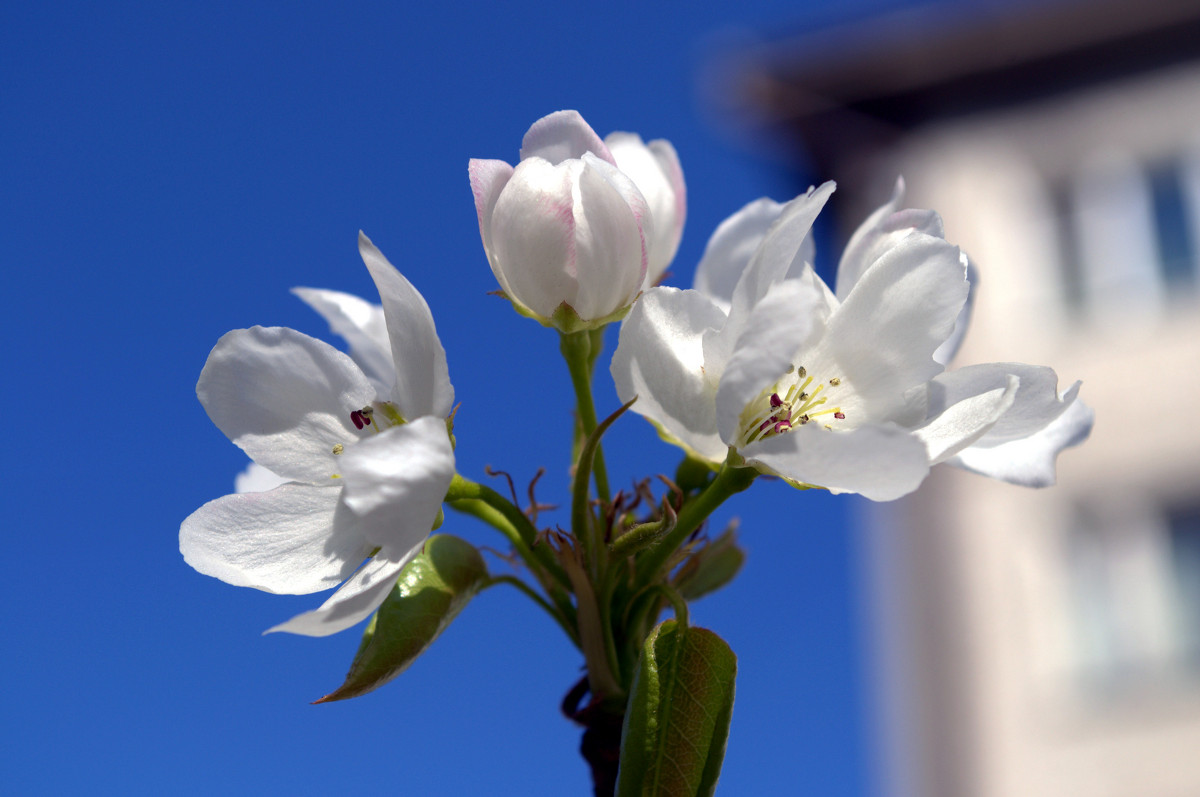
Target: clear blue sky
[(168, 173)]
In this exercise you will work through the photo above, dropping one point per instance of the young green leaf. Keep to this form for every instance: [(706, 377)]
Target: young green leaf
[(432, 590), (711, 566), (677, 718)]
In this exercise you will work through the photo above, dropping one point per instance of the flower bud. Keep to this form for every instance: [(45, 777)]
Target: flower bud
[(566, 232)]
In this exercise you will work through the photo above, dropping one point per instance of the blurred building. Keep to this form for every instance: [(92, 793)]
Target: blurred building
[(1034, 642)]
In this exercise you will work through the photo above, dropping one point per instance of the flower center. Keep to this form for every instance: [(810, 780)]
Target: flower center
[(780, 409), (378, 415)]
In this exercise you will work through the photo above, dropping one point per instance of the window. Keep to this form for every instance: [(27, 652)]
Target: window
[(1129, 234), (1133, 580)]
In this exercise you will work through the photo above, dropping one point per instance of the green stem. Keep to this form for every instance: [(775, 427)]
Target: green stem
[(729, 481), (539, 600), (576, 349), (678, 604), (486, 504), (596, 346)]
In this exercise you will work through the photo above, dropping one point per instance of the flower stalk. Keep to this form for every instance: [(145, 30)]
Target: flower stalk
[(576, 348), (730, 480)]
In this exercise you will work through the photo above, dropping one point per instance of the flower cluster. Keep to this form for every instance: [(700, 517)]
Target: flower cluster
[(759, 368)]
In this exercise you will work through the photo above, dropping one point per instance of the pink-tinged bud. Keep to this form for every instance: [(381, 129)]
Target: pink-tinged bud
[(565, 231)]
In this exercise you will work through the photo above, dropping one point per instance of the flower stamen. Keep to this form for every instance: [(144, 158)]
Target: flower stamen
[(800, 403)]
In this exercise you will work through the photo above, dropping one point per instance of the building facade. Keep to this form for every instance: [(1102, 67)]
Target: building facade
[(1036, 642)]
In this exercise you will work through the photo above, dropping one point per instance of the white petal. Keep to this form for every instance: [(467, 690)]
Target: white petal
[(660, 359), (945, 353), (1030, 461), (354, 601), (1037, 401), (533, 235), (879, 462), (730, 248), (781, 324), (612, 225), (285, 398), (781, 247), (884, 334), (362, 325), (257, 479), (958, 421), (879, 233), (401, 474), (860, 250), (655, 170), (561, 136), (294, 539), (422, 378), (488, 178)]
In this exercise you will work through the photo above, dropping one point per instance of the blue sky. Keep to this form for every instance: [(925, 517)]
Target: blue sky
[(168, 173)]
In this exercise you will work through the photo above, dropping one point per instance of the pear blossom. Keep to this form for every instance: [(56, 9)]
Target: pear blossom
[(843, 390), (366, 465), (567, 232)]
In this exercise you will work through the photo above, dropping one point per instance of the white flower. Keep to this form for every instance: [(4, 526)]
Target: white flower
[(366, 469), (566, 232), (838, 391)]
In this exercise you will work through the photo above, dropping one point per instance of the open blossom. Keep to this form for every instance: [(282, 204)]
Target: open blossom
[(364, 328), (842, 390), (569, 232), (366, 462)]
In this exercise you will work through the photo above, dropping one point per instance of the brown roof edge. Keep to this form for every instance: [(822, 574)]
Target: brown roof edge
[(901, 68)]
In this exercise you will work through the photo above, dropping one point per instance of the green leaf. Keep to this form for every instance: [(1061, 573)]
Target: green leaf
[(677, 718), (710, 567), (433, 588)]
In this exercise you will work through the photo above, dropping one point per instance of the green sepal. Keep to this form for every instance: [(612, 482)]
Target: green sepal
[(711, 566), (433, 588), (678, 714), (564, 318)]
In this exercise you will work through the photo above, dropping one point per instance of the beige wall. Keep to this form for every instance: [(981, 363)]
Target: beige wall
[(984, 677)]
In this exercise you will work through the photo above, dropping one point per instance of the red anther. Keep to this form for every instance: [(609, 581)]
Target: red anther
[(841, 416), (359, 419), (776, 401), (783, 426)]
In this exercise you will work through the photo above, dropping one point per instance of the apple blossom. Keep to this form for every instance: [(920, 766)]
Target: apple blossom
[(841, 391), (567, 233), (366, 468)]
